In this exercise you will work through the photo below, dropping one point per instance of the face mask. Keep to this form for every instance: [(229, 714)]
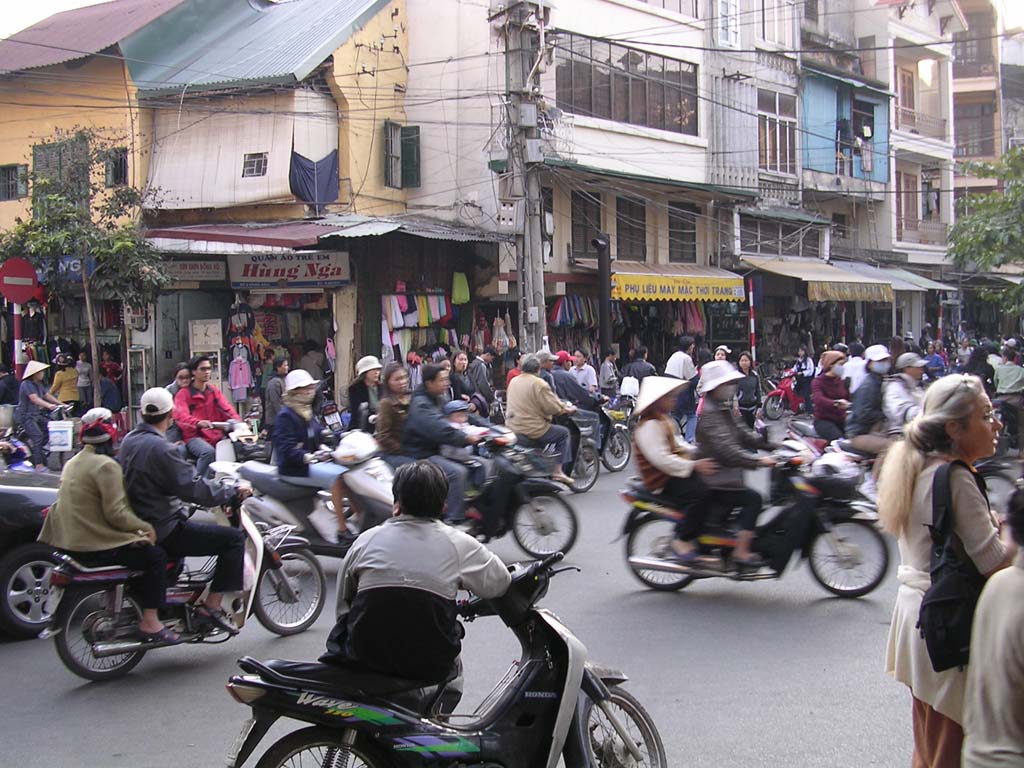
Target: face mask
[(837, 369), (880, 367), (304, 397), (724, 393)]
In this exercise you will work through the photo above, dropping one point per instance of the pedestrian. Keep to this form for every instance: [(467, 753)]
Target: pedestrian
[(978, 365), (935, 366), (640, 368), (803, 375), (482, 376), (312, 360), (993, 704), (34, 403), (462, 385), (514, 371), (956, 427), (65, 380), (8, 386), (583, 371), (273, 393), (680, 365), (609, 375), (830, 398), (749, 398), (722, 352), (364, 393), (84, 370), (855, 367)]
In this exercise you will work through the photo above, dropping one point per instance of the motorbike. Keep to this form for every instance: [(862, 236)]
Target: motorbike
[(309, 511), (497, 412), (616, 446), (804, 432), (812, 510), (518, 496), (783, 397), (552, 705), (95, 611), (583, 434)]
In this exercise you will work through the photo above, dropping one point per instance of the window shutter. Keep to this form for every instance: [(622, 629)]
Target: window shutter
[(410, 137), (108, 167), (22, 181)]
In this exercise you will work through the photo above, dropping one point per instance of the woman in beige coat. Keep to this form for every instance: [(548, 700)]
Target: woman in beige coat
[(956, 423)]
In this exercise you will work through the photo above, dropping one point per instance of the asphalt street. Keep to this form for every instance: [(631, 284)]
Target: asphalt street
[(771, 673)]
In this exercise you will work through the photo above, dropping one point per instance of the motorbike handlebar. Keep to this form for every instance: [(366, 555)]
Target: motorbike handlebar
[(476, 607)]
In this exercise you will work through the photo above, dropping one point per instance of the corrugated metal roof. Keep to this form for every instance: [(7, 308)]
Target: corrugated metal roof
[(211, 44), (289, 234), (355, 225), (78, 33), (891, 276), (785, 214)]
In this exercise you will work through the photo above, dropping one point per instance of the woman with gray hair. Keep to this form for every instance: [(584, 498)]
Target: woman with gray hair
[(956, 426)]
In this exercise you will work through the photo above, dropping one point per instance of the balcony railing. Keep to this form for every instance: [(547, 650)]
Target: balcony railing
[(975, 68), (920, 123), (922, 232)]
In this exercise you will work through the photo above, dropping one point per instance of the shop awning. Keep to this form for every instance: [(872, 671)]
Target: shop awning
[(785, 214), (638, 281), (354, 225), (891, 276), (714, 190), (817, 68), (826, 282), (924, 282)]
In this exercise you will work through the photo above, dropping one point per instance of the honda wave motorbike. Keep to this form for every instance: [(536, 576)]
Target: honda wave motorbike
[(616, 446), (783, 397), (815, 513), (518, 496), (309, 511), (585, 456), (552, 705), (804, 433), (96, 610)]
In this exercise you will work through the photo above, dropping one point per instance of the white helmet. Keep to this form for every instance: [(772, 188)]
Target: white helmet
[(156, 402)]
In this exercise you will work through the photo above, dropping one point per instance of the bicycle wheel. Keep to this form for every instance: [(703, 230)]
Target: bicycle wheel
[(607, 747)]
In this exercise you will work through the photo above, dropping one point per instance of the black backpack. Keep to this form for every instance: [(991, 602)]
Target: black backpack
[(947, 609)]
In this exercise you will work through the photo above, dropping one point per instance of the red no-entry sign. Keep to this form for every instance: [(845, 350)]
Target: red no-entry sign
[(18, 281)]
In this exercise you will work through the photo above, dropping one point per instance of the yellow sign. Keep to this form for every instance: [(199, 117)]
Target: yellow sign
[(676, 288)]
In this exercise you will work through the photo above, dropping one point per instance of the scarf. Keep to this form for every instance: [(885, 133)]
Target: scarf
[(300, 405)]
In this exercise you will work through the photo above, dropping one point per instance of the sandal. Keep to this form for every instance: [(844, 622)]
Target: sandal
[(215, 618), (163, 636), (752, 562)]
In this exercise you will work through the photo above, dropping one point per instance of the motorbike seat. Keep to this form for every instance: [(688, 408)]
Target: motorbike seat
[(349, 681), (642, 494), (265, 479), (847, 447), (804, 428)]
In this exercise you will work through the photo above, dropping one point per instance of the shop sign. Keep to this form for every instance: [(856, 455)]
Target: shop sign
[(184, 271), (301, 269), (676, 288)]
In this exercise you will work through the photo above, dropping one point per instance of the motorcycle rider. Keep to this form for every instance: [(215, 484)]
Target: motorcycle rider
[(866, 419), (531, 406), (1009, 381), (196, 407), (721, 437), (670, 466), (426, 430), (93, 522), (568, 388), (830, 396), (157, 479), (34, 401), (902, 394), (583, 371), (396, 612)]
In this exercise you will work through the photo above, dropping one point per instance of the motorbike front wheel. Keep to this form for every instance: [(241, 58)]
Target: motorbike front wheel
[(86, 618), (607, 748), (544, 525), (618, 451), (319, 746), (290, 598), (586, 469), (653, 539), (851, 559), (773, 407)]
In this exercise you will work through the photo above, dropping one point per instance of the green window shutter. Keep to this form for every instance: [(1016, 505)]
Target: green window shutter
[(410, 156), (108, 167), (22, 181), (392, 158)]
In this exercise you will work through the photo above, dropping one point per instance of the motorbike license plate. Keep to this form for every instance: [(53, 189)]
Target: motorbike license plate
[(247, 727), (333, 420)]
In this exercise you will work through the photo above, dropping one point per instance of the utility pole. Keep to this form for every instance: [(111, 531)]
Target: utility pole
[(524, 25)]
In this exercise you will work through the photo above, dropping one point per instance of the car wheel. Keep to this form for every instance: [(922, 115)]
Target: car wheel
[(25, 585)]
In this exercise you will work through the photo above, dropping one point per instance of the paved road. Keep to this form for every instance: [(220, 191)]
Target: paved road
[(735, 675)]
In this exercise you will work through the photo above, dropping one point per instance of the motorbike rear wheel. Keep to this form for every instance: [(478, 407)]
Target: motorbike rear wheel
[(586, 469), (545, 525), (774, 408), (852, 561), (319, 746), (290, 599), (617, 451), (605, 746), (84, 618), (653, 538)]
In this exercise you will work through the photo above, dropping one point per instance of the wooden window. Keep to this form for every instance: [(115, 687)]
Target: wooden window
[(401, 155), (116, 167), (682, 233), (586, 223), (630, 229), (254, 164), (776, 131), (13, 182)]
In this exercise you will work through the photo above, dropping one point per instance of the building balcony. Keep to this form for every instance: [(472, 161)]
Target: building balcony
[(921, 124), (920, 232), (975, 68)]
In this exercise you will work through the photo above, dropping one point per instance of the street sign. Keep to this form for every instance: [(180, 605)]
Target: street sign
[(18, 281)]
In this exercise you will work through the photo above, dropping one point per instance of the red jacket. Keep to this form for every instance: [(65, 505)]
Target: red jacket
[(192, 406), (824, 391)]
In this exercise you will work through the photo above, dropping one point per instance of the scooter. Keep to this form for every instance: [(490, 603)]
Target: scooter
[(309, 511), (812, 510), (585, 457), (783, 397), (518, 496), (553, 704), (616, 446), (96, 610)]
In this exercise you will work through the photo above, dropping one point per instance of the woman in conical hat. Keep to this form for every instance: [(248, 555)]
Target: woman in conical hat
[(34, 403)]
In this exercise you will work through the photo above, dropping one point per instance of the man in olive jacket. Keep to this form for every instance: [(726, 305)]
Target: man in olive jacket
[(530, 407)]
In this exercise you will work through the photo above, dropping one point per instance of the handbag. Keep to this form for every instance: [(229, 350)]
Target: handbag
[(947, 609)]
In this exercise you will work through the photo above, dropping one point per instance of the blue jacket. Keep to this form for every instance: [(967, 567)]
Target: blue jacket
[(293, 439), (426, 428), (866, 406)]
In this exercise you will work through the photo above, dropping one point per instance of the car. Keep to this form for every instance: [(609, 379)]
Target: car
[(25, 564)]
